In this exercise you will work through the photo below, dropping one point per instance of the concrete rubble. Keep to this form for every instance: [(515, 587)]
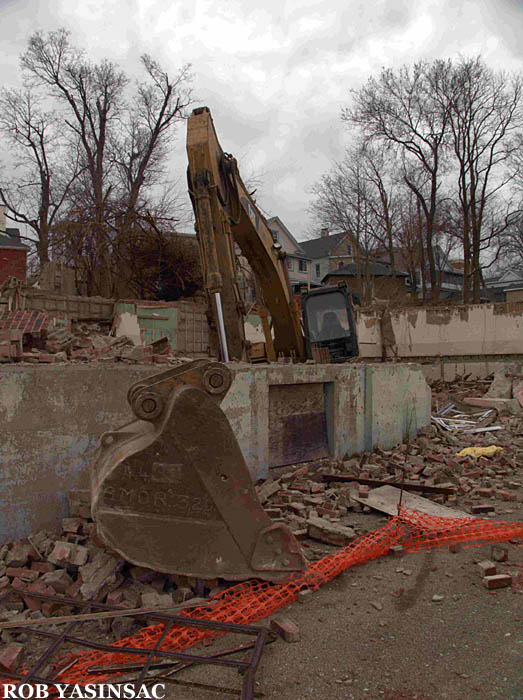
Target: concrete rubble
[(32, 337)]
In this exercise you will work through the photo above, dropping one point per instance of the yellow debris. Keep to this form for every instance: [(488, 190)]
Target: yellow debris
[(476, 452)]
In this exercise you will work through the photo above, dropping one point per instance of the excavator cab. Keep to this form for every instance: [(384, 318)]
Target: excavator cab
[(329, 325)]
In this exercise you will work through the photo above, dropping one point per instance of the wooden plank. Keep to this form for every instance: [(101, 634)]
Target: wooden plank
[(386, 499), (408, 485)]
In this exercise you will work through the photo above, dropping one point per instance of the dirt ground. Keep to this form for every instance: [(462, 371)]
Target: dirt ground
[(467, 646)]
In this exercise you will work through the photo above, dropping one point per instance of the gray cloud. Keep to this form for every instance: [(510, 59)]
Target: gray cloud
[(275, 77)]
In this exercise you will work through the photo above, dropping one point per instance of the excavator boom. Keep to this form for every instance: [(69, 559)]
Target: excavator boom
[(226, 214)]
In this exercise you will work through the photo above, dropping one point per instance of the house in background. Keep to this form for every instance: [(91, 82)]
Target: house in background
[(13, 253), (506, 286), (375, 281), (327, 253), (297, 260), (450, 272)]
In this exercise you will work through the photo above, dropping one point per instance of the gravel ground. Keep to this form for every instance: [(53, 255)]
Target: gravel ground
[(374, 632)]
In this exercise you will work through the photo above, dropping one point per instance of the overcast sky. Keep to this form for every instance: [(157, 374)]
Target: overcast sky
[(275, 78)]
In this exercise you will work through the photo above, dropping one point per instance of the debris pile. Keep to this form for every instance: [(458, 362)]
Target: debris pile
[(461, 460), (75, 565), (33, 337)]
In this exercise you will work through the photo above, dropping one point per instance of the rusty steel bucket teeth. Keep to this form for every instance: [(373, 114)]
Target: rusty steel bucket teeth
[(171, 490)]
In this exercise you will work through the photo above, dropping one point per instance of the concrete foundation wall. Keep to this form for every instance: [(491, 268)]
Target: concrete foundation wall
[(51, 419), (464, 331)]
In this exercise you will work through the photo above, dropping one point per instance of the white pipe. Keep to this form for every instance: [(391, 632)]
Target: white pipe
[(221, 327)]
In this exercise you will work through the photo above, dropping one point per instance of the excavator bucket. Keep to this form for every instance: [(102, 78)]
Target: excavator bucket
[(171, 490)]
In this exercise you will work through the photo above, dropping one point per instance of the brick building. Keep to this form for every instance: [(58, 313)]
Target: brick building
[(13, 253)]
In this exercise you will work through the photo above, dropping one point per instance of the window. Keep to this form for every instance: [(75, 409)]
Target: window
[(290, 266), (274, 235), (318, 270), (349, 249), (340, 264), (302, 264)]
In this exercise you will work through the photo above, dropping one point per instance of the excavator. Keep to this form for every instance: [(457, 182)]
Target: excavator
[(170, 490), (227, 216)]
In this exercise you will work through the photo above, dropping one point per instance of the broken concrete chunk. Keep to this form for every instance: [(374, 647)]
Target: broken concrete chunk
[(499, 552), (500, 387), (58, 579), (157, 600), (324, 531), (511, 406), (19, 555), (268, 489), (101, 571)]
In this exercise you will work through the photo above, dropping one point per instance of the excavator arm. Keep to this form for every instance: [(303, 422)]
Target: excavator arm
[(226, 214)]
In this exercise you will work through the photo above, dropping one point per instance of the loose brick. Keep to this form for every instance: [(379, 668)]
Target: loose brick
[(69, 553), (482, 508), (22, 574), (12, 656), (37, 587), (285, 628), (497, 581), (488, 568), (485, 492), (42, 567), (363, 491), (507, 495)]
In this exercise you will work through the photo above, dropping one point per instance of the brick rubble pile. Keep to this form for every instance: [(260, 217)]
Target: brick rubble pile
[(32, 337)]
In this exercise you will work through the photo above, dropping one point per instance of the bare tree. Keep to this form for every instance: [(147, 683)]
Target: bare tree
[(354, 198), (401, 108), (92, 96), (140, 155), (485, 117), (123, 141), (36, 184)]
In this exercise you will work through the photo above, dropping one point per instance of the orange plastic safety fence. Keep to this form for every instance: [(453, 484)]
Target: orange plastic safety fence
[(247, 602)]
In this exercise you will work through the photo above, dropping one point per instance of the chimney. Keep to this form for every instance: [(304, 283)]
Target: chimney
[(324, 232), (3, 222)]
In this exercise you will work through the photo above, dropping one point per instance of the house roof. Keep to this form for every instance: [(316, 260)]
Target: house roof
[(300, 252), (375, 269), (12, 239), (321, 247), (513, 286)]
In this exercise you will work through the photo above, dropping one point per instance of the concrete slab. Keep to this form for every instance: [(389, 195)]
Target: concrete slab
[(386, 499)]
